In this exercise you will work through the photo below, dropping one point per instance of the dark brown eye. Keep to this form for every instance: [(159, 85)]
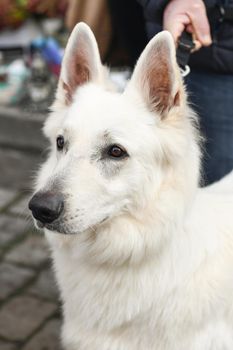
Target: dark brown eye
[(60, 142), (116, 151)]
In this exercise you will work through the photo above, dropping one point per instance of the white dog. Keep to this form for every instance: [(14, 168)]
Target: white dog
[(143, 258)]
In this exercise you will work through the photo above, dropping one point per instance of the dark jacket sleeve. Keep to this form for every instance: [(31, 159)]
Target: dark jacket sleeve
[(153, 14), (157, 3), (153, 9)]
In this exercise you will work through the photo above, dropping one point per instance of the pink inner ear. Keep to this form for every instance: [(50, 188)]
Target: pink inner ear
[(158, 79), (177, 99), (68, 93), (78, 73), (160, 86)]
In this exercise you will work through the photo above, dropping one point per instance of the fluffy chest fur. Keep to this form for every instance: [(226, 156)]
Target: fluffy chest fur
[(177, 298)]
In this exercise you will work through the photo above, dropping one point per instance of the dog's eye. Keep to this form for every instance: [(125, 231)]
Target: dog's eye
[(60, 142), (116, 151)]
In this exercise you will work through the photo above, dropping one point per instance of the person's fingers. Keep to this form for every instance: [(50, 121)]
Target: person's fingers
[(176, 27), (197, 44), (200, 24), (189, 28)]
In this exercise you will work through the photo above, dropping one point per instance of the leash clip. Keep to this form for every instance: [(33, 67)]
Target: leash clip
[(185, 70), (184, 49)]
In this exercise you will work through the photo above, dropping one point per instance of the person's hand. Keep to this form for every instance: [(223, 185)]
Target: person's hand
[(190, 15)]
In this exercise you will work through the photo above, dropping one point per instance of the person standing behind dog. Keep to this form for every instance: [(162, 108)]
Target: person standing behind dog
[(210, 83)]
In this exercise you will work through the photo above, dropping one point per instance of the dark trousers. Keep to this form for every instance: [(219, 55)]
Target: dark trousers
[(211, 95)]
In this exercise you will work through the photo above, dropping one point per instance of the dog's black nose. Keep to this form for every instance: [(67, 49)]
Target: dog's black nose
[(46, 206)]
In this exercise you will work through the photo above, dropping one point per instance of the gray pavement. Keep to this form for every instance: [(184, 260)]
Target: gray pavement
[(30, 317), (22, 146)]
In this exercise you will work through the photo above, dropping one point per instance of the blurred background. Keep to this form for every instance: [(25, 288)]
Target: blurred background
[(33, 34)]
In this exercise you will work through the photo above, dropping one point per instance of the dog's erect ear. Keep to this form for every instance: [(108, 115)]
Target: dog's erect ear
[(156, 75), (81, 62)]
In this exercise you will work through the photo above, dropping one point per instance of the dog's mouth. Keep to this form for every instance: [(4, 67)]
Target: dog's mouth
[(61, 228), (56, 227)]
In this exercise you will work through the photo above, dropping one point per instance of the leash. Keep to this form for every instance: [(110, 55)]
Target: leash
[(183, 52), (217, 14)]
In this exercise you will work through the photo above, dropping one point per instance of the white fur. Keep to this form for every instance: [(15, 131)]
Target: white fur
[(158, 274)]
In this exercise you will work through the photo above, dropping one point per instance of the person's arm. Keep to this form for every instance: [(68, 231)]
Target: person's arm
[(153, 9), (157, 3), (180, 15)]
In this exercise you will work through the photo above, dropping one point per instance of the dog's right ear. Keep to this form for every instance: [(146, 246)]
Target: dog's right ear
[(156, 77), (81, 62)]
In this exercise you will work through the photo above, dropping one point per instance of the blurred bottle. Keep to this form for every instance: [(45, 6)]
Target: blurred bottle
[(12, 81), (40, 85), (50, 51), (3, 69)]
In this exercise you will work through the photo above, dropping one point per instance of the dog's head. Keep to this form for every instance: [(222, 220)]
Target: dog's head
[(113, 154)]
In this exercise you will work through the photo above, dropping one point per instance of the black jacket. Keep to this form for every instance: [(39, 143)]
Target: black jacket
[(216, 58)]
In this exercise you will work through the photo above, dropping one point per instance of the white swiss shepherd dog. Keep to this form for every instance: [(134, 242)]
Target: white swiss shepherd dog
[(142, 256)]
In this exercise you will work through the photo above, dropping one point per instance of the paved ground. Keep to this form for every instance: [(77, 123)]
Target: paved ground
[(29, 307)]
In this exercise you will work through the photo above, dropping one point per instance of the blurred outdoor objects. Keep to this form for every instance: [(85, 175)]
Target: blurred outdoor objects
[(33, 34), (32, 40)]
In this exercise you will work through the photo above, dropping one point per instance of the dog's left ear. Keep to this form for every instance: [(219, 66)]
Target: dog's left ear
[(81, 62), (156, 76)]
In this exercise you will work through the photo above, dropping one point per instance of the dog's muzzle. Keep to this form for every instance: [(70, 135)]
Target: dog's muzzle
[(46, 207)]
